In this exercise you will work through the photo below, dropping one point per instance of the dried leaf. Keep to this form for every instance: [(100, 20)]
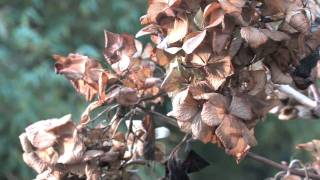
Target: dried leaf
[(302, 74)]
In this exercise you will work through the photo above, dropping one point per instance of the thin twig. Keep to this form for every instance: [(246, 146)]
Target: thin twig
[(177, 147), (271, 163), (252, 155), (151, 97), (130, 124), (167, 119), (315, 92), (104, 111), (120, 121), (303, 99), (135, 162)]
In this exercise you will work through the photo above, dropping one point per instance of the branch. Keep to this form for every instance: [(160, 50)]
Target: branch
[(284, 88), (303, 99), (315, 92), (165, 118), (151, 97), (135, 162), (271, 163)]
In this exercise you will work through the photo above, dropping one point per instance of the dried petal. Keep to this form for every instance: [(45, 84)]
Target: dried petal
[(275, 35), (185, 126), (25, 143), (313, 147), (173, 80), (72, 149), (241, 108), (299, 21), (122, 65), (200, 130), (153, 11), (253, 36), (192, 43), (179, 30), (92, 154), (184, 106), (277, 76), (213, 15), (219, 41), (233, 134), (93, 172), (214, 110), (34, 162), (148, 30), (259, 81), (40, 133), (218, 71), (82, 72), (124, 96), (85, 117)]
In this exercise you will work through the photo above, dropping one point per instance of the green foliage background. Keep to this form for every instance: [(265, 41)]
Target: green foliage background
[(32, 30)]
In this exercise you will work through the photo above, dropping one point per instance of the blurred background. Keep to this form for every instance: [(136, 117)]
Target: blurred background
[(32, 30)]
